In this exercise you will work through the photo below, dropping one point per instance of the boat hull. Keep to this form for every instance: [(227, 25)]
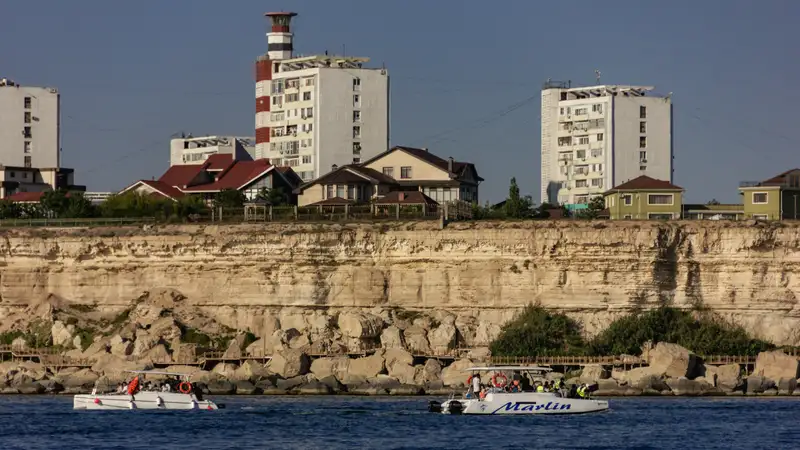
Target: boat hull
[(142, 400), (523, 404)]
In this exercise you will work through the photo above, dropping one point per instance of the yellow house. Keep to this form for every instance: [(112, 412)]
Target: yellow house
[(774, 199), (644, 198), (398, 169)]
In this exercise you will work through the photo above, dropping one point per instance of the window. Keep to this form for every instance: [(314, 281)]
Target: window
[(276, 116), (306, 95), (583, 140), (643, 156), (598, 108), (599, 137), (659, 199), (642, 167), (580, 111), (277, 87), (307, 112), (760, 216), (561, 111), (356, 148), (310, 81), (356, 116), (356, 160), (642, 141), (277, 101), (627, 216), (27, 103), (306, 159), (330, 191), (27, 161), (643, 112), (27, 147), (292, 97), (293, 83), (405, 172), (564, 141), (597, 153), (27, 117), (581, 154), (12, 174), (597, 182), (356, 84), (340, 190), (356, 132), (27, 132), (25, 175), (581, 183), (388, 171), (642, 127), (627, 199), (351, 192), (760, 198), (356, 101)]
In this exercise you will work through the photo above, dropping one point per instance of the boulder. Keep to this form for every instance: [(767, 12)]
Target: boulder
[(234, 350), (594, 372), (289, 383), (479, 354), (756, 384), (360, 325), (62, 334), (51, 386), (158, 354), (609, 388), (95, 351), (397, 355), (333, 366), (787, 386), (729, 377), (183, 353), (687, 387), (776, 365), (771, 392), (205, 376), (313, 388), (144, 314), (289, 363), (392, 337), (642, 378), (333, 384), (251, 370), (442, 338), (220, 387), (407, 390), (486, 333), (454, 374), (144, 342), (431, 371), (416, 339), (259, 348), (368, 366), (405, 374), (437, 388), (30, 388), (300, 342), (245, 387), (19, 344), (226, 370), (82, 379), (674, 361), (120, 347), (365, 389), (710, 374), (117, 369)]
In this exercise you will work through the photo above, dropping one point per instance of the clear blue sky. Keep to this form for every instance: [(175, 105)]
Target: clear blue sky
[(133, 73)]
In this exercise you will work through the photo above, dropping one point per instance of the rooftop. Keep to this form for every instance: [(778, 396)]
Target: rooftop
[(645, 183), (602, 90), (320, 61)]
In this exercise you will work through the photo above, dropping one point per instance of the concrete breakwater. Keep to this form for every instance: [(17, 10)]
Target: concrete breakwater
[(670, 370)]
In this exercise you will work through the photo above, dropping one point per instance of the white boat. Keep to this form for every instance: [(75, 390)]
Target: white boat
[(499, 401), (185, 395)]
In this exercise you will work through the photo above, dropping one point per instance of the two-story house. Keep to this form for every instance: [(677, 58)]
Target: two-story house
[(773, 199), (644, 198), (398, 169)]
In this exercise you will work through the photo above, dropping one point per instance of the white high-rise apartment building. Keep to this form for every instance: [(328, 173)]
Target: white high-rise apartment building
[(318, 111), (29, 126), (597, 137), (196, 150)]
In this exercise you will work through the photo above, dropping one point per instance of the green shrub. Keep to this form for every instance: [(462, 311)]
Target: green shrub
[(193, 336), (249, 338), (8, 337), (706, 334), (537, 332)]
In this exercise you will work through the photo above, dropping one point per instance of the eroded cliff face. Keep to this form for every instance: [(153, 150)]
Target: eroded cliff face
[(482, 272)]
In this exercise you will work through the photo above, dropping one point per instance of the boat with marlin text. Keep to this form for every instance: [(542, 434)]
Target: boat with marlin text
[(502, 397), (176, 392)]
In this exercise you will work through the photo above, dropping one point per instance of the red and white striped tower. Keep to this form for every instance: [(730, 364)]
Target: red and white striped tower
[(279, 47)]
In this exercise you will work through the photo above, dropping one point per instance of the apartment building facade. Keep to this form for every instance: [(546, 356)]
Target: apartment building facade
[(30, 134), (314, 112), (597, 137), (196, 150)]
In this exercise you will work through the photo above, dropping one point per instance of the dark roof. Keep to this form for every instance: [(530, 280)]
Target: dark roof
[(459, 167), (778, 180), (645, 183), (335, 201), (723, 207), (409, 198), (163, 188), (351, 173)]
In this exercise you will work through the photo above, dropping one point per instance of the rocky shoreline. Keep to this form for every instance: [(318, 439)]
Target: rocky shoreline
[(671, 371)]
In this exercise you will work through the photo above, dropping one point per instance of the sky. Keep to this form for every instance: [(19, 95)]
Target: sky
[(133, 74)]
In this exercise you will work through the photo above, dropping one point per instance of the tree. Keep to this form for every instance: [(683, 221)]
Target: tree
[(595, 207), (9, 210), (537, 332), (274, 196), (713, 201), (229, 198), (517, 207), (79, 206), (55, 203)]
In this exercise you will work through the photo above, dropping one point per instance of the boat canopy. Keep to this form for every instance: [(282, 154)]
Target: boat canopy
[(157, 372), (523, 368)]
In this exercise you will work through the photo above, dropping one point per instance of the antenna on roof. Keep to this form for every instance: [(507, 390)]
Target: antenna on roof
[(597, 75)]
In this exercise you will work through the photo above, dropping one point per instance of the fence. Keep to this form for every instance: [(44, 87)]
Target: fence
[(103, 221)]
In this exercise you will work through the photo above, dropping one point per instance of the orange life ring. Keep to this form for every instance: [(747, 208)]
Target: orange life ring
[(133, 386), (499, 380), (185, 388)]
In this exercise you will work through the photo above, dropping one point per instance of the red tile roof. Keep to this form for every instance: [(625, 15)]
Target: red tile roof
[(219, 161), (409, 198), (181, 175), (644, 183), (237, 175), (25, 197)]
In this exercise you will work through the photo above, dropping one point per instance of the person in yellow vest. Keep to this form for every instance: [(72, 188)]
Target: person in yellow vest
[(582, 391), (539, 387)]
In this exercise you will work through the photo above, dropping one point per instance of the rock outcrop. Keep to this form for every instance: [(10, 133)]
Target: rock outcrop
[(776, 365)]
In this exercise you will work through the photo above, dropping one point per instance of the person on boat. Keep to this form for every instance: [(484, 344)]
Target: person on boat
[(476, 383), (582, 392), (482, 395), (539, 387), (526, 383), (514, 387)]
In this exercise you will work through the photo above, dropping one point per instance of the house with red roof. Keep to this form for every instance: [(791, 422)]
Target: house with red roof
[(772, 199), (404, 169), (644, 198), (217, 173)]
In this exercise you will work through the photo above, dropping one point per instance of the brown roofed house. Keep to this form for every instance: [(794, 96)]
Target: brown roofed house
[(644, 198)]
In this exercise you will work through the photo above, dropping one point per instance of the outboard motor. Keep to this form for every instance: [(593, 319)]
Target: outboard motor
[(434, 406), (455, 407)]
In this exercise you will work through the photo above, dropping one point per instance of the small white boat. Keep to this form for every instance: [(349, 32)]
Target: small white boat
[(498, 400), (183, 396)]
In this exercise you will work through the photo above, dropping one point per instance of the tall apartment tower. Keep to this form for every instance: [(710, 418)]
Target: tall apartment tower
[(30, 128), (314, 112), (597, 137)]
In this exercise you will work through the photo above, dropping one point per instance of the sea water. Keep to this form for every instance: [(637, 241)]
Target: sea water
[(341, 422)]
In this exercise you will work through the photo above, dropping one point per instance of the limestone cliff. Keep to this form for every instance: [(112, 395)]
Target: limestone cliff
[(481, 273)]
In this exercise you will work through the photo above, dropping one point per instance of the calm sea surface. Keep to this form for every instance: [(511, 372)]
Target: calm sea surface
[(38, 422)]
